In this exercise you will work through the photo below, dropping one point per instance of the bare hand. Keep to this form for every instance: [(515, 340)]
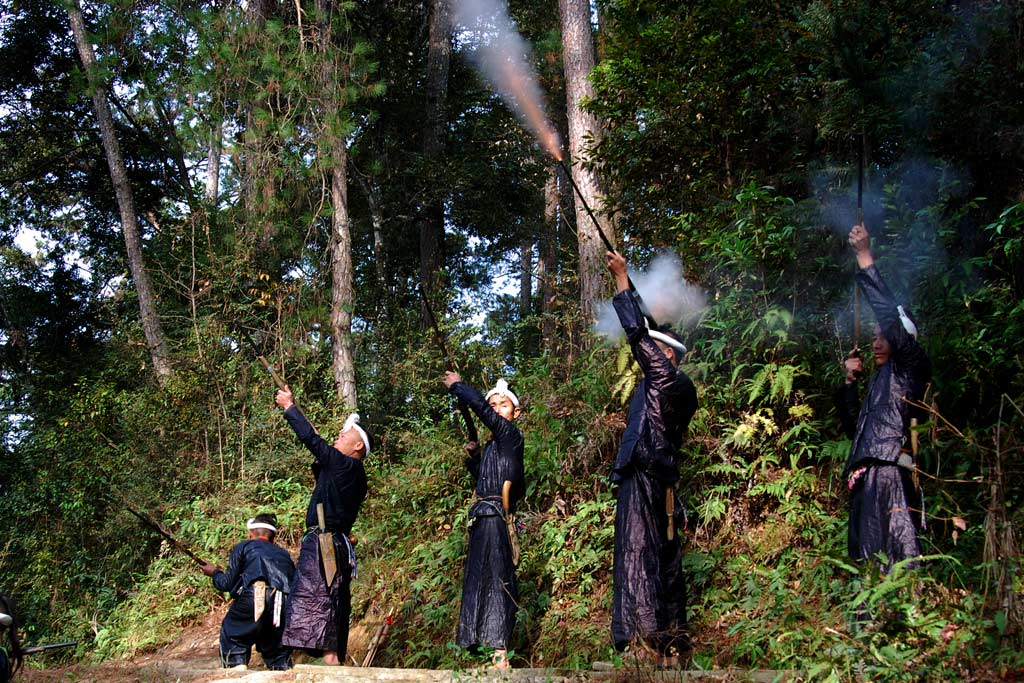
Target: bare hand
[(859, 238), (854, 366), (451, 378), (617, 267), (472, 448), (209, 569), (283, 398)]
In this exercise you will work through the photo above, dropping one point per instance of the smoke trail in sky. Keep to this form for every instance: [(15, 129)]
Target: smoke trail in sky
[(502, 56), (671, 299)]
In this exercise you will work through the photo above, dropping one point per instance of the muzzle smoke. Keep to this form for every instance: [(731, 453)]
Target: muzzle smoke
[(671, 299), (502, 56)]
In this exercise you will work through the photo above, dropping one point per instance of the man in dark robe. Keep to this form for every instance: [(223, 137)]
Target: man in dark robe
[(489, 593), (12, 656), (318, 613), (258, 577), (885, 505), (649, 599)]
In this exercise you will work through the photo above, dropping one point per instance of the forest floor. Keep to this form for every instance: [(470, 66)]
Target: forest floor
[(194, 658)]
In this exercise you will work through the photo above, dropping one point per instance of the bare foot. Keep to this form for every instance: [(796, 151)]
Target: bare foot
[(499, 660), (331, 658)]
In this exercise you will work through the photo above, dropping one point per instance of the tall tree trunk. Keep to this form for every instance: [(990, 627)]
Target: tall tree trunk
[(548, 262), (525, 278), (342, 290), (578, 56), (151, 327), (431, 218), (213, 164)]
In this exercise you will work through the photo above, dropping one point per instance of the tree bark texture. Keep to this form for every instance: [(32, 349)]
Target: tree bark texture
[(431, 218), (213, 164), (525, 278), (342, 287), (151, 326), (342, 290), (547, 264), (578, 57)]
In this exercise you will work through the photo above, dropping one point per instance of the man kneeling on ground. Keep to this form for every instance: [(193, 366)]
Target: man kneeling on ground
[(258, 575)]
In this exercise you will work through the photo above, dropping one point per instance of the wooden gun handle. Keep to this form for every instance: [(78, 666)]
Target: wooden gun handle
[(506, 491), (670, 511)]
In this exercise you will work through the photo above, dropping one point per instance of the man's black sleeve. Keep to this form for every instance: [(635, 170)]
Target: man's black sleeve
[(316, 444), (226, 581)]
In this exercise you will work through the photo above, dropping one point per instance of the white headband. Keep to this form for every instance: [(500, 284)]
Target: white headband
[(352, 422), (6, 619), (253, 524), (679, 346), (908, 324), (501, 389)]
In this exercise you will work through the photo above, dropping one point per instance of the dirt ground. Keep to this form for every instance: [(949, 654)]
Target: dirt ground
[(194, 657)]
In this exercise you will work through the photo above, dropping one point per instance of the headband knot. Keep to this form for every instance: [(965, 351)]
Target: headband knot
[(501, 389), (352, 422), (908, 324)]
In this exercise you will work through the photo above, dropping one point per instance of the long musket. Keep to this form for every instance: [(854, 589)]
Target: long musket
[(155, 526), (267, 365), (449, 363), (608, 245), (51, 646), (860, 221)]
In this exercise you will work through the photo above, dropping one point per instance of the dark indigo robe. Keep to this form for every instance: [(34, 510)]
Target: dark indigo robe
[(649, 598), (885, 506), (317, 614), (5, 666), (489, 593), (254, 560)]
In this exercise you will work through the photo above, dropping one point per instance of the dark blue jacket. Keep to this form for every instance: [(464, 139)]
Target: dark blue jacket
[(253, 560), (661, 407), (502, 457), (882, 427), (340, 480)]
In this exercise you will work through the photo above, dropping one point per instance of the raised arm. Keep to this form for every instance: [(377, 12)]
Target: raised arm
[(657, 369), (475, 400), (316, 444), (883, 303)]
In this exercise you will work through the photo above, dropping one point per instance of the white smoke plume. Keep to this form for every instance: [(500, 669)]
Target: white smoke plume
[(502, 56), (669, 297)]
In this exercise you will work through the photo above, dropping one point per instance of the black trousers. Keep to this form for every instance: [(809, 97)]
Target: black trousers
[(238, 634)]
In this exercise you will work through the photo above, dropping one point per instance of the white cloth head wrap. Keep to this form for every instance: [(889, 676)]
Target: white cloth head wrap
[(6, 619), (679, 347), (908, 324), (501, 389), (352, 422), (253, 524)]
